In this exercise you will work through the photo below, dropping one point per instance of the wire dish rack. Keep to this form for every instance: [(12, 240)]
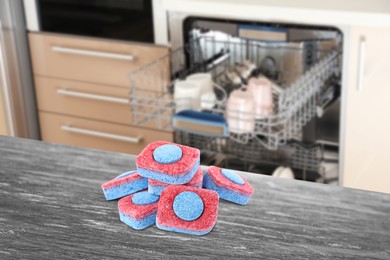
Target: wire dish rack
[(306, 161), (295, 104)]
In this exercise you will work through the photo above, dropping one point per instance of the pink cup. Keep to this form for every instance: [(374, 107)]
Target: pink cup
[(261, 89), (239, 112)]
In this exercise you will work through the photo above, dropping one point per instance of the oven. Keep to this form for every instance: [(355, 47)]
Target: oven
[(129, 20)]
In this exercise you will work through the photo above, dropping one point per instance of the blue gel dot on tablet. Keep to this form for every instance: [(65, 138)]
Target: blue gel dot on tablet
[(188, 206), (232, 176), (144, 198), (125, 174), (167, 153)]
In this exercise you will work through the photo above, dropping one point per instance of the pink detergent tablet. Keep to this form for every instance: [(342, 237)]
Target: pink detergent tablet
[(156, 187), (187, 210), (123, 185), (168, 162), (229, 185), (138, 210)]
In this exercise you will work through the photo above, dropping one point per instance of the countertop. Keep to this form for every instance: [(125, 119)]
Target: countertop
[(331, 12), (51, 206)]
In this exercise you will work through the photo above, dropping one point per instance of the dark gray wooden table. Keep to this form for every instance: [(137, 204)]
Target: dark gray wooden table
[(52, 207)]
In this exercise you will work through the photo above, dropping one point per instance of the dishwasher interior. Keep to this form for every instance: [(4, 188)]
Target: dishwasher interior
[(298, 123)]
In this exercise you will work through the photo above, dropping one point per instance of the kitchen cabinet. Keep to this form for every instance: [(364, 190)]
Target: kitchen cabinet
[(367, 126), (99, 102), (89, 60), (364, 142), (97, 134), (82, 91)]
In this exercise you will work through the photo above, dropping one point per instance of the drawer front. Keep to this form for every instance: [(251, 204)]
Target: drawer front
[(99, 135), (82, 59), (105, 103)]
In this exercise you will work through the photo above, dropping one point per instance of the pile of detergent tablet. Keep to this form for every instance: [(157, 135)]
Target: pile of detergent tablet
[(174, 199)]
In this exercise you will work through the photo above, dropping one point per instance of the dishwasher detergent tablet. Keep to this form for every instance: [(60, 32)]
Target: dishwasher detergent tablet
[(168, 162), (124, 185), (138, 210), (187, 210), (229, 185), (156, 187)]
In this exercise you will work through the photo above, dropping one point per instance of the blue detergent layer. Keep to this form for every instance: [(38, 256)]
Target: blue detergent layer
[(125, 189), (125, 174), (224, 193), (171, 179), (138, 223), (179, 230), (167, 154), (200, 118), (232, 176), (188, 206), (144, 198), (157, 189)]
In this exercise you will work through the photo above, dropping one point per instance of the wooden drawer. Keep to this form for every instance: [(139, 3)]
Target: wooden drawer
[(105, 103), (99, 135), (89, 60)]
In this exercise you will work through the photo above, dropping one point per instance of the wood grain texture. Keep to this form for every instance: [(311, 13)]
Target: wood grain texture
[(111, 72), (52, 207), (51, 131), (49, 100)]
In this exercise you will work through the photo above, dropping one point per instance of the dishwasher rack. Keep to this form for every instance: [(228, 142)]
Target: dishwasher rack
[(305, 160), (152, 86)]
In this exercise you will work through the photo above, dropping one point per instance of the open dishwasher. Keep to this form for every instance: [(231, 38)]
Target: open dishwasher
[(302, 66)]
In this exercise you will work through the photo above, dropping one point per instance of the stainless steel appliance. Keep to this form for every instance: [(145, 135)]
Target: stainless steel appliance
[(16, 82), (304, 61), (281, 55), (130, 20)]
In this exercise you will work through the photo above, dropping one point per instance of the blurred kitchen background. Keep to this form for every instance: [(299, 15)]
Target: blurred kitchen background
[(269, 87)]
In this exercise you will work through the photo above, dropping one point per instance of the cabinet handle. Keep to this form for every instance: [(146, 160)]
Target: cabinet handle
[(99, 54), (362, 62), (68, 128), (70, 93)]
